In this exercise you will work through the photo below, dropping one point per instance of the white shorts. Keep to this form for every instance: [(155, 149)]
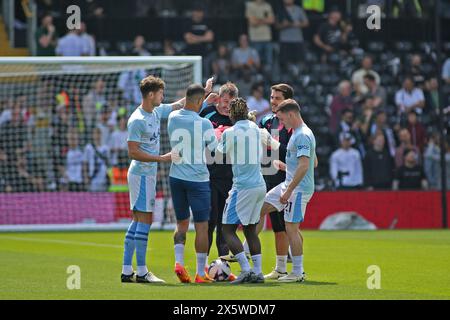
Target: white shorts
[(142, 192), (244, 206), (294, 210)]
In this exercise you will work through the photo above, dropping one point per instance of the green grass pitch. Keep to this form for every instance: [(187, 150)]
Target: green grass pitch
[(413, 264)]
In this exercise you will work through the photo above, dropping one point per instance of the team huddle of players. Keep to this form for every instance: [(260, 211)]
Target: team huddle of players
[(216, 174)]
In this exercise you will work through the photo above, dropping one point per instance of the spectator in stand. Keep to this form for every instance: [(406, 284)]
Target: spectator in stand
[(92, 103), (415, 69), (417, 131), (138, 47), (13, 147), (432, 162), (257, 102), (46, 37), (199, 37), (128, 84), (73, 170), (432, 97), (71, 45), (290, 22), (87, 40), (95, 8), (411, 175), (350, 126), (96, 161), (118, 144), (58, 138), (330, 37), (260, 18), (221, 64), (14, 134), (378, 166), (380, 125), (446, 71), (245, 82), (405, 144), (432, 165), (6, 110), (22, 180), (169, 49), (340, 102), (358, 75), (346, 166), (409, 98), (374, 90), (104, 125), (244, 58)]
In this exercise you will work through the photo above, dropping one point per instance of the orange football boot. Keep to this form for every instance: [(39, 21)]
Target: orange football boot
[(231, 277), (182, 273), (204, 279)]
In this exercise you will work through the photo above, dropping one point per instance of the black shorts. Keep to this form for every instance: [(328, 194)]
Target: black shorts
[(219, 194), (276, 217)]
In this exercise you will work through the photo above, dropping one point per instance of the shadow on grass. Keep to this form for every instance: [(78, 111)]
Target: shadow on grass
[(216, 284), (250, 285), (318, 283)]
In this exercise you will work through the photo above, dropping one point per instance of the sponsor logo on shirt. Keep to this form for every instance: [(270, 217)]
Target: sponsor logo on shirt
[(303, 147)]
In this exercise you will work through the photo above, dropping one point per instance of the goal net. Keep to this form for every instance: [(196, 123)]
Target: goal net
[(63, 150)]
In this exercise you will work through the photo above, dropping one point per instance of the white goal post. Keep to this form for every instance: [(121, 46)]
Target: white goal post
[(52, 177)]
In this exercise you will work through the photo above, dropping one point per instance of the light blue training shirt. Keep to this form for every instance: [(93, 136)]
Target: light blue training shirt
[(189, 134), (242, 143), (144, 127), (301, 143)]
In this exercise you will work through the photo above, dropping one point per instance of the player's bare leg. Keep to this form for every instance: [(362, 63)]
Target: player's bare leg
[(282, 250), (237, 249), (179, 239), (281, 243), (296, 244), (266, 209), (255, 249)]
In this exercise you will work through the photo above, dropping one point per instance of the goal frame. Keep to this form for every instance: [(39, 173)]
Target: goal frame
[(152, 61)]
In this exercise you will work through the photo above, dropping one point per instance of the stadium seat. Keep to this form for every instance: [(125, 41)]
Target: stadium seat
[(376, 46), (155, 47), (124, 47), (179, 46), (426, 47), (403, 46), (311, 57), (334, 58)]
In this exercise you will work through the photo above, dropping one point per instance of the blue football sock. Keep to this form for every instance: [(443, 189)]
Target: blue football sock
[(129, 244), (141, 238)]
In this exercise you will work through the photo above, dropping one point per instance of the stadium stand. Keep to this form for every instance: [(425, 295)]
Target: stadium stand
[(396, 54)]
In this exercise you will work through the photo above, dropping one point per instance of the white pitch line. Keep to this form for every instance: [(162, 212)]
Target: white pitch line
[(57, 241)]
